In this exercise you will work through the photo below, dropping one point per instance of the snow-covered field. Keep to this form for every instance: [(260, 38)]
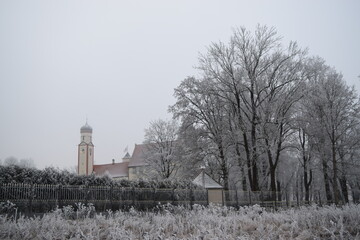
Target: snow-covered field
[(172, 222)]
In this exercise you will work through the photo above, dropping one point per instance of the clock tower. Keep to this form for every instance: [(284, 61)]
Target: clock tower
[(85, 151)]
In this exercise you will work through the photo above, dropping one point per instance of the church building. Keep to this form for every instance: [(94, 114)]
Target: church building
[(131, 167)]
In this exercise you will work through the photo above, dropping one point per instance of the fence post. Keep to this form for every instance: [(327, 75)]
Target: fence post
[(56, 195), (249, 197), (111, 197), (154, 196), (191, 198), (287, 199), (275, 200), (2, 192), (133, 195), (207, 197), (173, 196), (59, 196), (223, 197), (237, 198), (86, 194), (31, 197)]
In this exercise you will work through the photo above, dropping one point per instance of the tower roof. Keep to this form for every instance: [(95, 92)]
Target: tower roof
[(86, 128)]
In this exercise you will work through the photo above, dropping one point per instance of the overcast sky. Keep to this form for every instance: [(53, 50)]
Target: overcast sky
[(117, 62)]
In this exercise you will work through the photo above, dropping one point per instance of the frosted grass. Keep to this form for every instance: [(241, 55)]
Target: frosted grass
[(178, 222)]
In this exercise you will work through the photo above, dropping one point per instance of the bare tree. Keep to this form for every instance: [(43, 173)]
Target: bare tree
[(11, 161), (333, 108), (27, 162), (163, 148), (255, 99), (253, 75), (196, 101)]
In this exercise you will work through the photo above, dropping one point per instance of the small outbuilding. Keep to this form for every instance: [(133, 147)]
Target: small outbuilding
[(214, 189)]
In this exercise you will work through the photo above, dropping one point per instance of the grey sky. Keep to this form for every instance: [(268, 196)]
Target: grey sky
[(117, 62)]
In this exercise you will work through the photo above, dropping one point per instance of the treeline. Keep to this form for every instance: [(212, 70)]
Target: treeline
[(262, 116), (52, 176)]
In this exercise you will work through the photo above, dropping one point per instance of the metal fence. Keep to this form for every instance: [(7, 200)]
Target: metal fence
[(262, 198), (42, 198)]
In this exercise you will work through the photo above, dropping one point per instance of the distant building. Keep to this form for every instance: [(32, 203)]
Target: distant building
[(214, 190), (131, 167)]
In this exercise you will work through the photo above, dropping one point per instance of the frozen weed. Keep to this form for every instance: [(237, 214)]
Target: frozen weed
[(179, 222)]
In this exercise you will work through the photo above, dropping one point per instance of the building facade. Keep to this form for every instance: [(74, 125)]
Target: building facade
[(132, 167)]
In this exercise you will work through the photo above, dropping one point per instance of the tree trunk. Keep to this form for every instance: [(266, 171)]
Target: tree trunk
[(242, 171), (306, 159), (343, 179), (243, 181), (223, 167), (279, 191), (248, 161), (326, 181), (307, 184), (335, 177), (254, 160), (272, 169), (273, 183), (344, 189), (254, 153), (255, 177)]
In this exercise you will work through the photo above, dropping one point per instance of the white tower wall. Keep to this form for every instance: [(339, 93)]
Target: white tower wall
[(86, 137), (85, 151)]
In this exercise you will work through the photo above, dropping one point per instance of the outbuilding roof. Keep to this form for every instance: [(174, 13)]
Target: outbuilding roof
[(204, 180)]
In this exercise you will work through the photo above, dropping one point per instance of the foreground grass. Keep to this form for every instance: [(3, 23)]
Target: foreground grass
[(171, 222)]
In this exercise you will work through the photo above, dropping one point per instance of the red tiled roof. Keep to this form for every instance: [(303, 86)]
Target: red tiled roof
[(138, 157), (114, 170)]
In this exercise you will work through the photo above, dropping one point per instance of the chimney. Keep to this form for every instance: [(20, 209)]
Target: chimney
[(113, 161)]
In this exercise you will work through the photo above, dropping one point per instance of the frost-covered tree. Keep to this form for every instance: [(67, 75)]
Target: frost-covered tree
[(244, 99), (11, 161), (27, 163), (258, 103), (331, 109), (205, 111), (163, 153)]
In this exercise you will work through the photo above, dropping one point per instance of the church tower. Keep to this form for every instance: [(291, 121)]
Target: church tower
[(85, 151)]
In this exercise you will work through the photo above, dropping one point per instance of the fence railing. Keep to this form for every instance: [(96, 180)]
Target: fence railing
[(46, 197), (42, 198)]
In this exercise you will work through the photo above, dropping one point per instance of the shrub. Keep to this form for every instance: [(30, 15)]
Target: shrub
[(53, 176)]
